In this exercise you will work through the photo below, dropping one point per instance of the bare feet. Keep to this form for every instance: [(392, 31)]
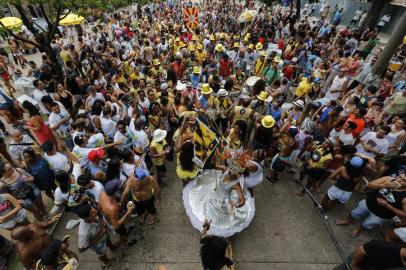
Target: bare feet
[(343, 221), (355, 233), (152, 219)]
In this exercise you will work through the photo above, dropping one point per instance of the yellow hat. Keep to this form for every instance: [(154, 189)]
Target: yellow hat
[(246, 39), (199, 46), (247, 35), (194, 38), (262, 96), (258, 46), (236, 36), (196, 70), (268, 121), (212, 38), (181, 44), (219, 47), (251, 46), (177, 39), (191, 48), (156, 62), (236, 44), (263, 53), (206, 89), (222, 35)]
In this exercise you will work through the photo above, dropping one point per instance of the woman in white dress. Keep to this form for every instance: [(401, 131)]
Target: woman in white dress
[(219, 196), (255, 170)]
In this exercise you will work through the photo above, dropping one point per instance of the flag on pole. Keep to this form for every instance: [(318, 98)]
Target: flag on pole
[(206, 142), (191, 17)]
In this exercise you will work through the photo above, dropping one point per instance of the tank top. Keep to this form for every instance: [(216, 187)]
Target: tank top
[(393, 197), (66, 101), (345, 184), (392, 137)]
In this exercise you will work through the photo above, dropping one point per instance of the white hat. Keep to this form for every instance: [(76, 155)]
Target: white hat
[(180, 86), (159, 135), (294, 59), (299, 103), (222, 93)]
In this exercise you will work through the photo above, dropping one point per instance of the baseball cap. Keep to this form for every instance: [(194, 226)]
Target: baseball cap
[(112, 186), (96, 154), (140, 174)]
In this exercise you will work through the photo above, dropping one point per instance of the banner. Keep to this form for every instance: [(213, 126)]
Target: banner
[(206, 142), (191, 17)]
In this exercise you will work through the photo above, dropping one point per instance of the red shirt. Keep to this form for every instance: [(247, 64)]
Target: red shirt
[(281, 44), (288, 72), (225, 68)]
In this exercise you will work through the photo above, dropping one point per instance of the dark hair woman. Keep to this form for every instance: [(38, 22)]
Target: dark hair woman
[(39, 130), (38, 167), (348, 179)]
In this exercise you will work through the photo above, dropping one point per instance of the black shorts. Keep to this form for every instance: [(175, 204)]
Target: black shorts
[(161, 168), (278, 165), (315, 174), (146, 206)]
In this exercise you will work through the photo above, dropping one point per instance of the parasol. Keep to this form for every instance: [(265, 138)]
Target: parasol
[(247, 16), (11, 22), (71, 19)]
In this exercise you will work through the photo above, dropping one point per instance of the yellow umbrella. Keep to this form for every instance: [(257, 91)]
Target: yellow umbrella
[(11, 22), (71, 19)]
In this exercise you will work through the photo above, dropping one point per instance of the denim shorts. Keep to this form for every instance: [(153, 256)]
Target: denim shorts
[(100, 248), (370, 219), (31, 197)]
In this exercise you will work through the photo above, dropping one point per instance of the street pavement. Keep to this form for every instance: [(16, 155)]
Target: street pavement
[(286, 233)]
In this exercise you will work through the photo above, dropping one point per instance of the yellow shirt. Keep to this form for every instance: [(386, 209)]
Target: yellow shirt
[(303, 87), (200, 56), (322, 157), (159, 147)]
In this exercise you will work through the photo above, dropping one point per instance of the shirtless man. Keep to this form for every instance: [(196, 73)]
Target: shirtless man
[(288, 144), (111, 211), (143, 190), (31, 240)]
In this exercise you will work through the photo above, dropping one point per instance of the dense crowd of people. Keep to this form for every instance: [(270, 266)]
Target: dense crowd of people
[(297, 96)]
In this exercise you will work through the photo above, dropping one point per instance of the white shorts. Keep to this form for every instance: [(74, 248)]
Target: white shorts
[(401, 232), (334, 193)]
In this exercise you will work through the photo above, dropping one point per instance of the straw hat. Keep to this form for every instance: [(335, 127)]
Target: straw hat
[(159, 135), (212, 38), (194, 38), (263, 53), (196, 70), (200, 46), (262, 96), (268, 121), (236, 36), (156, 62), (180, 86), (251, 46), (219, 47), (236, 44), (206, 89), (259, 46), (191, 48), (177, 39)]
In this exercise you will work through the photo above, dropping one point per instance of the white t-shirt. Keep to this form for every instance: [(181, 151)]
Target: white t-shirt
[(64, 129), (57, 162), (59, 196), (96, 140), (346, 139), (96, 190), (128, 169), (380, 145), (38, 95), (91, 99), (108, 126)]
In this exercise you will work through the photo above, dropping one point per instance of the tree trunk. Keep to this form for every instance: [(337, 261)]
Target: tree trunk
[(391, 47), (373, 13), (298, 3)]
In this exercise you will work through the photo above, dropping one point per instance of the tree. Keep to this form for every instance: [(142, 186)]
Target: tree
[(393, 44), (54, 11), (373, 13)]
